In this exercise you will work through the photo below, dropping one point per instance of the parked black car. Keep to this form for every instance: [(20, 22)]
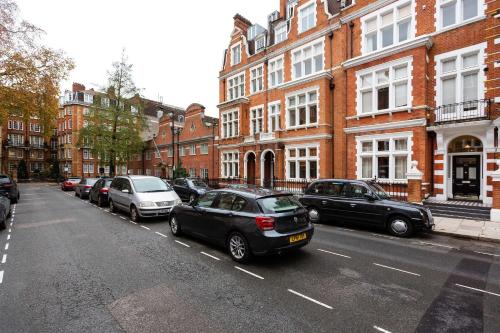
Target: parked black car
[(82, 190), (4, 209), (8, 188), (364, 202), (99, 192), (246, 221), (189, 189)]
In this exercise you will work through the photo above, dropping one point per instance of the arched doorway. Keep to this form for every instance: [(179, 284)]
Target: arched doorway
[(267, 168), (465, 153), (250, 168)]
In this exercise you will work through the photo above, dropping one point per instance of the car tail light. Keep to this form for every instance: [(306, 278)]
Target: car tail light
[(264, 223), (88, 186), (103, 190), (7, 185)]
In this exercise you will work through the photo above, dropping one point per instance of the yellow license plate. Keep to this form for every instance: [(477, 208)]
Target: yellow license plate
[(298, 238)]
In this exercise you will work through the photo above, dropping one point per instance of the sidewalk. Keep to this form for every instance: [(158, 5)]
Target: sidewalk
[(481, 230)]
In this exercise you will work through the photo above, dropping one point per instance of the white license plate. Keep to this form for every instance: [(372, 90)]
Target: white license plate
[(164, 211)]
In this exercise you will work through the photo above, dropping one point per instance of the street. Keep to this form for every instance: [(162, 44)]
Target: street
[(69, 266)]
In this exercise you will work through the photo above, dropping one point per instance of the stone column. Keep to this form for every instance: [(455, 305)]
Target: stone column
[(495, 209), (414, 177)]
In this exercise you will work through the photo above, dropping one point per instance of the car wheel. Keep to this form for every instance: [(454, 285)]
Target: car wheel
[(314, 215), (3, 225), (175, 228), (238, 247), (100, 203), (112, 207), (192, 197), (400, 226), (134, 214)]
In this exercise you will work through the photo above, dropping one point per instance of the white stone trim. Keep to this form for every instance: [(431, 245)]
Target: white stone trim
[(495, 215), (289, 139), (386, 126)]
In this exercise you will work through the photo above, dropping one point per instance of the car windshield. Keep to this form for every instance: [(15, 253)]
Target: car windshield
[(108, 182), (279, 204), (378, 190), (197, 183), (74, 179), (91, 181), (146, 185), (4, 180)]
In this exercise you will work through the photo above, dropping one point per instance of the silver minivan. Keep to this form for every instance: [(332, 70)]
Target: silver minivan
[(142, 196)]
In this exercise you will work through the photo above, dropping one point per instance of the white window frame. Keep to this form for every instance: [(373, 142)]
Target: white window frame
[(391, 153), (297, 159), (301, 28), (277, 72), (256, 79), (230, 164), (236, 60), (261, 39), (256, 120), (233, 124), (458, 13), (192, 149), (298, 56), (478, 49), (377, 15), (204, 149), (280, 30), (308, 103), (272, 113), (204, 173), (236, 86), (392, 83)]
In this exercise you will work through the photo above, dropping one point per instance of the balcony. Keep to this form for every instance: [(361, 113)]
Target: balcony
[(463, 112)]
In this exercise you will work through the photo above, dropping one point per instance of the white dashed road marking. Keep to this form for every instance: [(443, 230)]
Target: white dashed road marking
[(1, 276), (488, 254), (310, 299), (182, 243), (144, 227), (123, 218), (8, 237), (249, 273), (380, 329), (4, 259), (440, 245), (335, 254), (396, 269), (159, 233), (209, 255), (7, 246), (480, 290), (132, 222)]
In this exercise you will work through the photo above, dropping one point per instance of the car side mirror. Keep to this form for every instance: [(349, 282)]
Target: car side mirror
[(369, 197), (125, 191)]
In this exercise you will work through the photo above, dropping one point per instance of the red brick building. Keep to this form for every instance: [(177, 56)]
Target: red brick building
[(360, 90)]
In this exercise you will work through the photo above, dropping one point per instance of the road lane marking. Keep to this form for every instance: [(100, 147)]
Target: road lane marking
[(380, 329), (11, 224), (335, 254), (209, 255), (396, 269), (434, 244), (250, 273), (182, 243), (8, 237), (132, 222), (6, 246), (159, 233), (383, 236), (122, 217), (10, 229), (4, 259), (488, 254), (1, 276), (310, 299), (114, 214), (144, 227), (480, 290)]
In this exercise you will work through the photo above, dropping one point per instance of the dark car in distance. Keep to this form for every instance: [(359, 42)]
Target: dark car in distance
[(245, 221), (82, 190), (99, 193), (364, 202), (189, 189), (9, 189)]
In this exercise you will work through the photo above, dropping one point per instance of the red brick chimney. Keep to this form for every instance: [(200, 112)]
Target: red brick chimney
[(241, 23), (78, 87)]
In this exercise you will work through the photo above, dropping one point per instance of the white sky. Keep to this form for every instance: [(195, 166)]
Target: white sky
[(176, 47)]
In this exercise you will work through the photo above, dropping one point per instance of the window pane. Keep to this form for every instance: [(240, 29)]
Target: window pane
[(404, 30), (400, 72), (302, 169), (387, 36), (470, 87), (307, 66), (292, 117), (302, 116), (383, 76), (371, 25), (449, 93), (302, 152), (371, 42), (313, 114), (404, 11), (292, 169), (366, 101), (383, 145), (449, 65), (400, 167), (366, 81), (318, 63), (448, 12), (400, 95), (292, 153), (367, 146), (312, 96), (366, 167), (401, 144), (313, 169), (383, 167), (387, 19), (469, 8), (313, 152), (383, 98), (470, 60)]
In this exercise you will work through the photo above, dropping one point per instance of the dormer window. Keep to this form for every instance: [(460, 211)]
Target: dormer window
[(280, 33), (87, 98), (235, 55), (260, 43)]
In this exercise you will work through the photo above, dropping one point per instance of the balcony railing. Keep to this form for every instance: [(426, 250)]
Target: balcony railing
[(462, 112)]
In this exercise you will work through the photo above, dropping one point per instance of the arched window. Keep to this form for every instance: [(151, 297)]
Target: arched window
[(465, 144)]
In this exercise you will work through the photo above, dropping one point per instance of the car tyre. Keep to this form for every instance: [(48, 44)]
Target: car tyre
[(134, 214), (238, 247), (112, 207), (400, 226), (100, 203), (175, 227), (314, 215)]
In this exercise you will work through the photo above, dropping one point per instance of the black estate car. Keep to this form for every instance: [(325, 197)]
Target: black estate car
[(189, 189), (99, 192), (364, 202), (245, 221), (9, 189)]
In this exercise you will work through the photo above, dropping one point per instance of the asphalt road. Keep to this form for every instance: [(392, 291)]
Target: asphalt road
[(72, 267)]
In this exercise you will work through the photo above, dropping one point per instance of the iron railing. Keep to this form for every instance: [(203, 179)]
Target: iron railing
[(464, 111)]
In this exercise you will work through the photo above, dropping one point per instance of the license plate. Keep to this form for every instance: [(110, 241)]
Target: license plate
[(298, 238), (164, 211)]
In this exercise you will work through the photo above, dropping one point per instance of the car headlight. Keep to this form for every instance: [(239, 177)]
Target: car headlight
[(147, 204), (177, 202)]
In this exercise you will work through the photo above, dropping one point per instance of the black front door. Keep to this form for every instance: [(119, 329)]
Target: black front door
[(466, 176)]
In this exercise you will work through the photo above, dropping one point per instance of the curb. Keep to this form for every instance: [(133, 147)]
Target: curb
[(480, 238)]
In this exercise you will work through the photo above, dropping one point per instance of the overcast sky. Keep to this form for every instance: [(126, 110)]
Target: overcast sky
[(176, 47)]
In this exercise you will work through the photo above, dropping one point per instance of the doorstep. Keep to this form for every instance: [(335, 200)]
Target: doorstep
[(471, 229)]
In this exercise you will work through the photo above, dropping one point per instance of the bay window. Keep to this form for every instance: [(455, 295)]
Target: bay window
[(384, 87), (236, 87), (388, 26), (256, 79), (302, 162), (385, 156), (308, 59), (275, 69), (302, 109), (256, 120), (230, 164), (230, 124)]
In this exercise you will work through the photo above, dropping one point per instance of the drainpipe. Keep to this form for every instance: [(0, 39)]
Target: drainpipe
[(332, 110)]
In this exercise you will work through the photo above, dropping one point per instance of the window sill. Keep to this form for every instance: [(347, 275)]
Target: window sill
[(295, 128), (459, 25), (378, 113)]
